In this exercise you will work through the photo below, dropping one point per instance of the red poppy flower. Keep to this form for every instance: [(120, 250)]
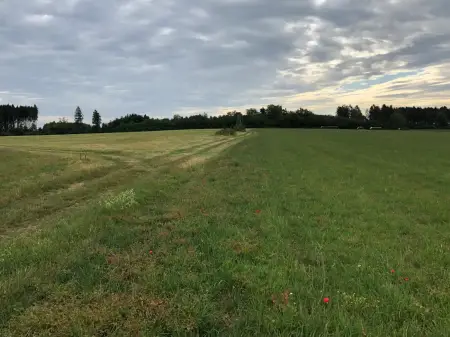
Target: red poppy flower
[(258, 211), (151, 252), (326, 300), (406, 279), (392, 271)]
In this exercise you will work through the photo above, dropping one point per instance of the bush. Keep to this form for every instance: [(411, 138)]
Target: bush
[(397, 121), (226, 132)]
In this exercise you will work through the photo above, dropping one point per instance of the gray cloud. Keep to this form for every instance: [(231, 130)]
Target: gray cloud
[(163, 56)]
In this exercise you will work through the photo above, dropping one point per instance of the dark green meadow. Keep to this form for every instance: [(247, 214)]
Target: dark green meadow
[(228, 238)]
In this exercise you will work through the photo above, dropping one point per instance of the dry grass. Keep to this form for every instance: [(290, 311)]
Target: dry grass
[(47, 174), (205, 153), (101, 315), (158, 141)]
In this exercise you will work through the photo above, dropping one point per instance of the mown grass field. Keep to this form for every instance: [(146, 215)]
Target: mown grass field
[(185, 233)]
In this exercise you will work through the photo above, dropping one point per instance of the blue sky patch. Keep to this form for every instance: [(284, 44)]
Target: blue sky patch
[(363, 84)]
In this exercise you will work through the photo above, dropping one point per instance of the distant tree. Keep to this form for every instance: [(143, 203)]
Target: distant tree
[(386, 112), (343, 111), (78, 116), (397, 120), (374, 113), (446, 112), (252, 112), (355, 113), (303, 112), (96, 120), (274, 111), (18, 119), (441, 119)]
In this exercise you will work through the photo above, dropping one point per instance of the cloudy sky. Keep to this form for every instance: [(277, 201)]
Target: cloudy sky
[(163, 57)]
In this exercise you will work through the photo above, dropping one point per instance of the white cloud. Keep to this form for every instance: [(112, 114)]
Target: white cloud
[(38, 19), (199, 12)]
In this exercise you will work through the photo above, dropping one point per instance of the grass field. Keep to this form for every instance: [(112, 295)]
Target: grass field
[(186, 233)]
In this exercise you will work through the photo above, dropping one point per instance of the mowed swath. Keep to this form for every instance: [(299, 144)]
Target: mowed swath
[(42, 176), (242, 241)]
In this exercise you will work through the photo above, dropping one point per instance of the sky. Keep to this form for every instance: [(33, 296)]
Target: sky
[(166, 57)]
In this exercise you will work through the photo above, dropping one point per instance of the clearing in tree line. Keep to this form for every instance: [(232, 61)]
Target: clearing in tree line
[(187, 233)]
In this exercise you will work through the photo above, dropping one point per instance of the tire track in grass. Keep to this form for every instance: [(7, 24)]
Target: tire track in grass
[(62, 200), (205, 153)]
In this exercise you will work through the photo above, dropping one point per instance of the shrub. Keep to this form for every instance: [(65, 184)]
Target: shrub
[(226, 132)]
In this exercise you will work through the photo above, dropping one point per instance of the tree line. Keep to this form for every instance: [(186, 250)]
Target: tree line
[(18, 119), (22, 120), (272, 116), (63, 126), (398, 117)]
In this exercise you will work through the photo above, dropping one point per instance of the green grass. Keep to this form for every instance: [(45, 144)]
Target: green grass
[(247, 237)]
